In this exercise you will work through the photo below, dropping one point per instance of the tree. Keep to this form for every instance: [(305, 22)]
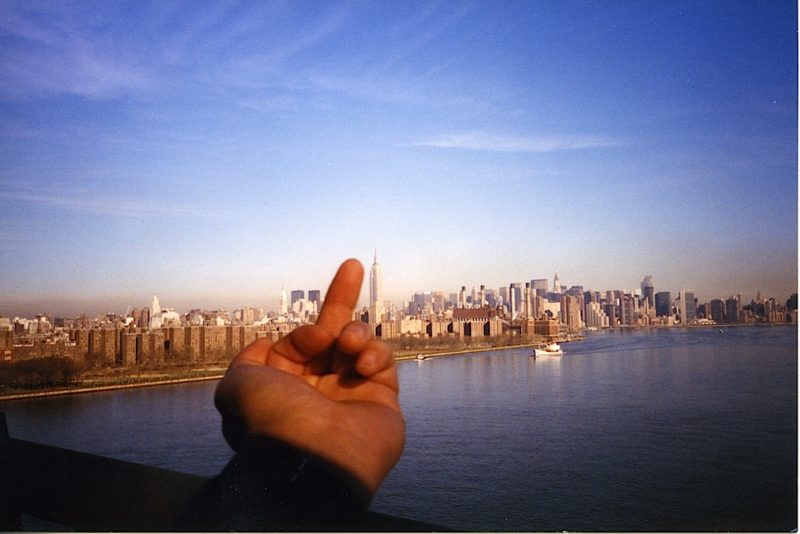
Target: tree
[(39, 373)]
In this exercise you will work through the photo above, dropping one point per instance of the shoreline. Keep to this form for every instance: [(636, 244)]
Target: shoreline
[(110, 387), (217, 376), (409, 356), (445, 353), (460, 352)]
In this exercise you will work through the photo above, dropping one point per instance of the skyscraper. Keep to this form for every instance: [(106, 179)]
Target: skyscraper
[(504, 299), (718, 310), (688, 309), (663, 304), (283, 305), (627, 310), (556, 284), (315, 296), (539, 287), (376, 307), (155, 314), (297, 294), (375, 282), (648, 291), (733, 306)]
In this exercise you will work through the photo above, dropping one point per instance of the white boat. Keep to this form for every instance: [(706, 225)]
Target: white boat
[(421, 357), (551, 349)]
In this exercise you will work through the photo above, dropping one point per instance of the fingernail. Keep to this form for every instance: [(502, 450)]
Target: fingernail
[(361, 329), (367, 359)]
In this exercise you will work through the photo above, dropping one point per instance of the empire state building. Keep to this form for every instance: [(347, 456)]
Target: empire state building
[(376, 308), (375, 282)]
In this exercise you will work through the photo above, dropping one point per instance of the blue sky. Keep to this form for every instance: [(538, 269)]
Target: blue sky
[(211, 152)]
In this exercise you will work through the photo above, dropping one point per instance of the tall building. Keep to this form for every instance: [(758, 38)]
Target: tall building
[(283, 304), (297, 294), (595, 317), (421, 303), (248, 315), (439, 300), (688, 308), (155, 314), (627, 310), (717, 310), (610, 309), (136, 315), (733, 307), (648, 293), (575, 291), (376, 306), (491, 298), (556, 284), (539, 287), (504, 299), (663, 304), (315, 296), (570, 313), (375, 282)]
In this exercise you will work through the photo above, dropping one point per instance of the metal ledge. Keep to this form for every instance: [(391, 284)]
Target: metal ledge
[(86, 492)]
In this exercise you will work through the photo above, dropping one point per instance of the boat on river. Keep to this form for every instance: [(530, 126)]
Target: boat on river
[(551, 349)]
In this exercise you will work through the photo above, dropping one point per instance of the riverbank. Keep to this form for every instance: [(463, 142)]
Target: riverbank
[(111, 383), (412, 355), (101, 383), (166, 378), (428, 353)]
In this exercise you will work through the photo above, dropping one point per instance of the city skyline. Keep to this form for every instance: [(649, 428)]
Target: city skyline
[(275, 303), (212, 154)]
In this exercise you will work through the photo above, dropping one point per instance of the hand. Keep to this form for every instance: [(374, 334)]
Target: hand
[(329, 390)]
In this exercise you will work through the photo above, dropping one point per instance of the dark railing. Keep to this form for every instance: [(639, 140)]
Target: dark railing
[(86, 492)]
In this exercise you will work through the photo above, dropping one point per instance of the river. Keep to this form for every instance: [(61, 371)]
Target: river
[(630, 430)]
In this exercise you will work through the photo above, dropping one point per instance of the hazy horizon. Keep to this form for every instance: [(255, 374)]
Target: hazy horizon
[(91, 306), (211, 154)]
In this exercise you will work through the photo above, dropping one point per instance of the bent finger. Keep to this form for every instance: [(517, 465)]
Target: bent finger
[(303, 343), (375, 358), (255, 353), (354, 338)]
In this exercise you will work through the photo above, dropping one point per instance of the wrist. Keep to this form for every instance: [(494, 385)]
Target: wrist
[(280, 489), (299, 479)]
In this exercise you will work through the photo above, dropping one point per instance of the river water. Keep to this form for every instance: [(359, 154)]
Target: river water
[(663, 429)]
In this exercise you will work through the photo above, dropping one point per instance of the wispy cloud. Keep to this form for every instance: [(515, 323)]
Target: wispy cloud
[(276, 103), (491, 142), (273, 57), (111, 205), (52, 50)]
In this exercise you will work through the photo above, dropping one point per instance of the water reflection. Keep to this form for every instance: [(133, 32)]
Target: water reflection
[(627, 431), (652, 430)]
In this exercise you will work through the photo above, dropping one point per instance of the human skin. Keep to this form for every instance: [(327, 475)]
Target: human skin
[(328, 390)]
